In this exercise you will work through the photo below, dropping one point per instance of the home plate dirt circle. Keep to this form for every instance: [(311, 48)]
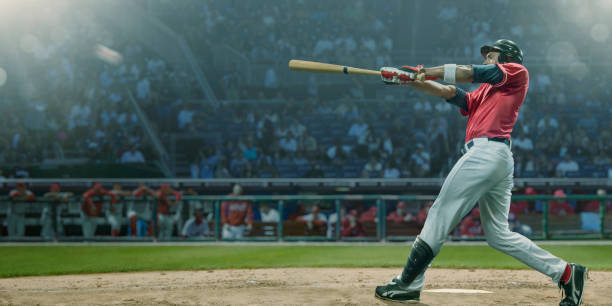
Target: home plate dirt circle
[(292, 286)]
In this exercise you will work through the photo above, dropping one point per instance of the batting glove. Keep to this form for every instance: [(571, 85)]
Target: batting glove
[(403, 75)]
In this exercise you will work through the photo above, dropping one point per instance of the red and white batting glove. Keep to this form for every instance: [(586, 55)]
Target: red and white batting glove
[(391, 75)]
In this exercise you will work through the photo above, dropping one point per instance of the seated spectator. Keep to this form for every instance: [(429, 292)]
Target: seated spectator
[(315, 217), (196, 226), (400, 214), (369, 215), (422, 215), (566, 165), (338, 152), (372, 168), (391, 170), (560, 207), (523, 142), (351, 227), (308, 143), (471, 226), (268, 214), (133, 155), (315, 171), (421, 159), (360, 130)]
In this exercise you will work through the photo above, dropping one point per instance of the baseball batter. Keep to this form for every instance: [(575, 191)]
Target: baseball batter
[(484, 173)]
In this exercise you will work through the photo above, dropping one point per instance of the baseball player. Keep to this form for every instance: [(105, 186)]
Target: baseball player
[(140, 211), (55, 196), (114, 214), (17, 209), (233, 214), (91, 209), (165, 220), (483, 174)]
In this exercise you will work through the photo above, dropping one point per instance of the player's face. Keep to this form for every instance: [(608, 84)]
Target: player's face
[(491, 58)]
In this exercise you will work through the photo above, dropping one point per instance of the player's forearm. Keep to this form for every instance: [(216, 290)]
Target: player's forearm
[(463, 74), (434, 89)]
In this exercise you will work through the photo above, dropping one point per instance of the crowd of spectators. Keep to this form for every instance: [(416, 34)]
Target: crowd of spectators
[(75, 105), (417, 138)]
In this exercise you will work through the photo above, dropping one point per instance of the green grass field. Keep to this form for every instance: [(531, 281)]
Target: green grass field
[(52, 260)]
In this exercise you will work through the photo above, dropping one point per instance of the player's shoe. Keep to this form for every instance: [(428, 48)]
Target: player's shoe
[(395, 291), (575, 286)]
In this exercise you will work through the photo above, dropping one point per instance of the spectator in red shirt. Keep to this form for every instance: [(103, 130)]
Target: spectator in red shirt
[(91, 209), (233, 215), (560, 207), (369, 215), (165, 220), (350, 226), (422, 215), (16, 211), (400, 214), (471, 226)]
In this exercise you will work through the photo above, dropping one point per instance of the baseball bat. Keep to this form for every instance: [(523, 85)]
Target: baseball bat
[(328, 68)]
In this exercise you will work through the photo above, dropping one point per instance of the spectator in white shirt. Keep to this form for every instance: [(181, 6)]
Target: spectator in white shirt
[(373, 166), (523, 142), (391, 170), (547, 122), (196, 227), (185, 117), (132, 156), (358, 128), (566, 165), (268, 214), (421, 159)]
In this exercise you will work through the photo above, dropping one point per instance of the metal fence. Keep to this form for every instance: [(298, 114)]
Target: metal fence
[(341, 219)]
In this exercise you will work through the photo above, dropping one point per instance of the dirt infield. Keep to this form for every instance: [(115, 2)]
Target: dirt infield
[(295, 286)]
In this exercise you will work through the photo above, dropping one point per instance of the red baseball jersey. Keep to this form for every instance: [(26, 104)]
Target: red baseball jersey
[(93, 200), (234, 212), (163, 203), (493, 109)]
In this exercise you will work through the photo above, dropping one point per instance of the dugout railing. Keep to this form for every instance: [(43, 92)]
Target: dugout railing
[(60, 220)]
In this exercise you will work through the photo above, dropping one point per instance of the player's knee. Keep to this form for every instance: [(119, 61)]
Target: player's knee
[(498, 239)]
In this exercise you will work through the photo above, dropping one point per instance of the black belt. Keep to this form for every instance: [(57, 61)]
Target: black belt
[(470, 143)]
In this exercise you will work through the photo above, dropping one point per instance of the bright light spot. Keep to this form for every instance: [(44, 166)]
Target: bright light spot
[(30, 43), (600, 32), (2, 77), (108, 55)]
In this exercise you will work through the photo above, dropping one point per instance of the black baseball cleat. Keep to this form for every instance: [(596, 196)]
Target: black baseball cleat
[(394, 291), (575, 286)]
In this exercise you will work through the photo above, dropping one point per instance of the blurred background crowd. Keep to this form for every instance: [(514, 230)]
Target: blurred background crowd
[(72, 107)]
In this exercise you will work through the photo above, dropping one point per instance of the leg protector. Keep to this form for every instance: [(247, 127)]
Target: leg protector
[(419, 259)]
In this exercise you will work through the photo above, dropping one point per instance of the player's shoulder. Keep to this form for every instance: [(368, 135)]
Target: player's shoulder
[(513, 67)]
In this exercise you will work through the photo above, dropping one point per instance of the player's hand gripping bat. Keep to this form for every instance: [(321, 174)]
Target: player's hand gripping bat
[(389, 75)]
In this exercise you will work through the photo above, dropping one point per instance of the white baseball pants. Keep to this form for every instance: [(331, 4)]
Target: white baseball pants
[(484, 175)]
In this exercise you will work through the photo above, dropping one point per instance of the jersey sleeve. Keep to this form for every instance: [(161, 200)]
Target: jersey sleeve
[(469, 99), (515, 75)]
